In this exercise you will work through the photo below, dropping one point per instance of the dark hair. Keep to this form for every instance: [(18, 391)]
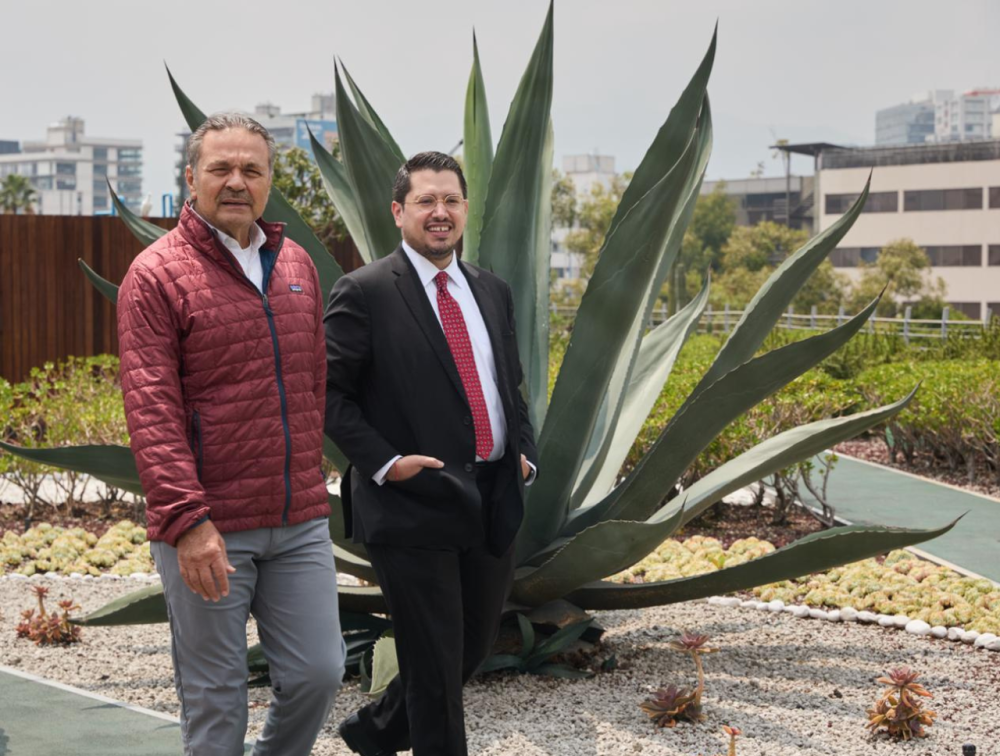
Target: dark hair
[(425, 161)]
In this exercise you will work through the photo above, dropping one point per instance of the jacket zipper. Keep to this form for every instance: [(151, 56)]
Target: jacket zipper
[(277, 365)]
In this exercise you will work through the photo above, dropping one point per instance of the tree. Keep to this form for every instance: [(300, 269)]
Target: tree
[(903, 269), (712, 225), (760, 246), (17, 193), (563, 200), (593, 219), (298, 178)]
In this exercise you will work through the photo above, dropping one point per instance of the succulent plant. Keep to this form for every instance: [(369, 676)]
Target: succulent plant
[(899, 712), (694, 644), (581, 523), (669, 705), (49, 629)]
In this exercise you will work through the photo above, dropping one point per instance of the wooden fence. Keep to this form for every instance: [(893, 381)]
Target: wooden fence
[(48, 308)]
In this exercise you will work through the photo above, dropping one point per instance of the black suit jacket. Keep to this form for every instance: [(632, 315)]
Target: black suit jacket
[(393, 388)]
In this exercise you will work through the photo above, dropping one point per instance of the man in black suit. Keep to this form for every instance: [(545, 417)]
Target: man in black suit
[(423, 397)]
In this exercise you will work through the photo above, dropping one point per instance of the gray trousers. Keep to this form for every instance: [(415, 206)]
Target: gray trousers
[(286, 578)]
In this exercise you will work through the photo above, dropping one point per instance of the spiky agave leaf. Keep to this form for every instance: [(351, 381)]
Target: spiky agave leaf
[(477, 150)]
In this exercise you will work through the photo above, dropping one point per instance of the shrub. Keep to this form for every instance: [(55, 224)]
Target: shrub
[(49, 629)]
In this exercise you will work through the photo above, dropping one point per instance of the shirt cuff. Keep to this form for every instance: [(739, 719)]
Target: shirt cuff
[(379, 477), (532, 474)]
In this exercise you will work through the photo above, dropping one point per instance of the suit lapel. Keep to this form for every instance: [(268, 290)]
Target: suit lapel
[(408, 284)]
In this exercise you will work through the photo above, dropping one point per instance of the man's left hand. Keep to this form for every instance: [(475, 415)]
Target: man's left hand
[(525, 467)]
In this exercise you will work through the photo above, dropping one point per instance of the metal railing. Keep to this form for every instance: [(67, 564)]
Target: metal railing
[(724, 320)]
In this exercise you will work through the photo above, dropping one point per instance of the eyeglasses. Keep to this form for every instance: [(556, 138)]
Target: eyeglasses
[(426, 202)]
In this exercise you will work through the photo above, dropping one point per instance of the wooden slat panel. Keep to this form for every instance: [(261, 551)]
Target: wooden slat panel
[(48, 309)]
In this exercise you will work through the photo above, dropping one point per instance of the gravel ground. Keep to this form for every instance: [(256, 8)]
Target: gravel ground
[(793, 686)]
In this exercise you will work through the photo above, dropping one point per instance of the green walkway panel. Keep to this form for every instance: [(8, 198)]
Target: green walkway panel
[(40, 717), (864, 493)]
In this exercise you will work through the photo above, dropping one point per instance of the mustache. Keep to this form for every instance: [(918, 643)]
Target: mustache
[(238, 196)]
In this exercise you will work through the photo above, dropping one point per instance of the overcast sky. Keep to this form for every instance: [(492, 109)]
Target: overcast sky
[(797, 69)]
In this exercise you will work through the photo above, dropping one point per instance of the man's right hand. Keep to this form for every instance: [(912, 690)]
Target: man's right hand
[(406, 467), (201, 556)]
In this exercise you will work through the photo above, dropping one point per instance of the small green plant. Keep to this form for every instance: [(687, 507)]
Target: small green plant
[(669, 705), (693, 644), (535, 656), (49, 629), (899, 712)]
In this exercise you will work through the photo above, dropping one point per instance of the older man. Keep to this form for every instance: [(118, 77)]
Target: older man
[(224, 375)]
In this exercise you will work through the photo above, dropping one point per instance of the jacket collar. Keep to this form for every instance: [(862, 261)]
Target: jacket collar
[(200, 235)]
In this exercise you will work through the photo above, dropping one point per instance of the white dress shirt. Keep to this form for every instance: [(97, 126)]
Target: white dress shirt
[(249, 258), (482, 349)]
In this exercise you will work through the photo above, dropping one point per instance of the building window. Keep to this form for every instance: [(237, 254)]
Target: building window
[(101, 203), (125, 169), (994, 308), (851, 257), (66, 184), (130, 154), (955, 256), (877, 202), (995, 196), (66, 169), (994, 257), (943, 199), (100, 169), (43, 183), (100, 153), (969, 309), (129, 187)]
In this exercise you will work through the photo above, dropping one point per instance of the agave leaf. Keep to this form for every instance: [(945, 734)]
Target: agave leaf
[(514, 242), (385, 665), (143, 230), (368, 113), (604, 322), (112, 464), (278, 209), (703, 418), (103, 285), (353, 565), (655, 360), (599, 551), (477, 149), (775, 454), (143, 607), (562, 671), (371, 166), (362, 599), (338, 187), (558, 642), (527, 635), (813, 553), (334, 455), (772, 299), (502, 661)]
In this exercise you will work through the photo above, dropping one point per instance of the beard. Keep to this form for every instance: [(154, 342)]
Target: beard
[(431, 253)]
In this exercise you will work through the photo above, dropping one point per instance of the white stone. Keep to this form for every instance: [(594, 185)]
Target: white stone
[(955, 633), (748, 604), (901, 620), (50, 574), (849, 614), (729, 601), (994, 646), (714, 600), (88, 577), (761, 605), (75, 576), (917, 627), (817, 614), (18, 576), (939, 631), (775, 606), (969, 636), (138, 576), (867, 617), (884, 620), (109, 576), (834, 615), (800, 611), (984, 640)]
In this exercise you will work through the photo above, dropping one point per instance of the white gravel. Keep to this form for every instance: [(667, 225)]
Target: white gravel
[(792, 686)]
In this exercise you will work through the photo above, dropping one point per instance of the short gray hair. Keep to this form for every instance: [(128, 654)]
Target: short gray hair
[(229, 120)]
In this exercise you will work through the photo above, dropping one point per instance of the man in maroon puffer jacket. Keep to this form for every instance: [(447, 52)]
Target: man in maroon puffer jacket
[(223, 369)]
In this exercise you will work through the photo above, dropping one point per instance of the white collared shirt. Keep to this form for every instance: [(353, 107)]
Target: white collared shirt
[(482, 349), (249, 258)]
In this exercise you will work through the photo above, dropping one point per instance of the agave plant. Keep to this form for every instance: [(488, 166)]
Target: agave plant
[(581, 524)]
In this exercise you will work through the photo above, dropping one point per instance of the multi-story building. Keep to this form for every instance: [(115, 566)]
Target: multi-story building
[(945, 197), (586, 171), (71, 170), (288, 130), (939, 116), (767, 199)]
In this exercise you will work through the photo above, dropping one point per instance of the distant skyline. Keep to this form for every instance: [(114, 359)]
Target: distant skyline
[(784, 68)]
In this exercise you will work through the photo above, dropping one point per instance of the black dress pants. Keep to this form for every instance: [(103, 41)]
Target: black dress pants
[(445, 606)]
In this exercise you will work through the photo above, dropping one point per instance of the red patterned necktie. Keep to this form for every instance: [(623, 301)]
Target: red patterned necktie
[(457, 336)]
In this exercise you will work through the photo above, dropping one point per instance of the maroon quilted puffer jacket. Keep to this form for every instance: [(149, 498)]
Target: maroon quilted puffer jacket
[(224, 388)]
